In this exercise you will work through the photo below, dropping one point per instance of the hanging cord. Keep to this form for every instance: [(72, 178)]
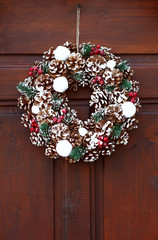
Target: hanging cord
[(78, 26)]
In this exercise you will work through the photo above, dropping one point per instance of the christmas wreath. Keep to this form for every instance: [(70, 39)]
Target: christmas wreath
[(55, 125)]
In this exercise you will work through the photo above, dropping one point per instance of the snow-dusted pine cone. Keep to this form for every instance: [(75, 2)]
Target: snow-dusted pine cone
[(45, 81), (57, 68), (71, 46), (36, 139), (91, 156), (59, 132), (50, 151), (48, 55), (75, 62), (95, 65)]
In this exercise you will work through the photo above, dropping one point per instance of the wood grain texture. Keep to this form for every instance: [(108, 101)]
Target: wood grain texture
[(32, 26), (115, 198)]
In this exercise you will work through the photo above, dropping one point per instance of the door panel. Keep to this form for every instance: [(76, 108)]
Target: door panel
[(115, 198)]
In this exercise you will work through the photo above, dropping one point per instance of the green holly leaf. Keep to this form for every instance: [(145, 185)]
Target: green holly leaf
[(122, 66), (45, 68), (44, 128), (77, 152), (77, 76), (85, 51), (98, 115), (29, 91), (125, 84), (110, 88), (116, 130)]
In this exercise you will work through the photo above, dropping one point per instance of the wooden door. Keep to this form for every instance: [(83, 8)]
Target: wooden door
[(115, 198)]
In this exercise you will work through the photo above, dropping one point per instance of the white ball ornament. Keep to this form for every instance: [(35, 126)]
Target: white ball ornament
[(111, 64), (35, 109), (61, 53), (128, 109), (60, 84), (64, 148), (82, 131)]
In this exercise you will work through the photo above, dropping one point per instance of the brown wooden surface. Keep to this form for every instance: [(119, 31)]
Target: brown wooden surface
[(115, 198)]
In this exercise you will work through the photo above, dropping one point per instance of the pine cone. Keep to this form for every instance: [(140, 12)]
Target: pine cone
[(128, 74), (50, 151), (95, 65), (113, 112), (75, 138), (23, 102), (91, 156), (71, 46), (59, 132), (123, 139), (57, 68), (36, 139), (48, 55), (44, 102), (25, 118), (44, 80), (109, 148), (75, 62), (115, 79)]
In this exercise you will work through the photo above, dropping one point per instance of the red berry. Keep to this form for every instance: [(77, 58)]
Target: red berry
[(100, 143), (32, 129), (133, 100), (99, 78), (130, 94), (59, 120), (40, 71), (91, 53), (98, 46), (64, 110), (54, 119), (100, 137), (94, 80), (35, 68), (105, 139), (93, 48), (96, 51), (61, 117), (100, 146), (33, 121), (36, 125), (31, 69), (101, 82), (101, 52), (37, 129), (30, 73), (135, 94), (105, 144)]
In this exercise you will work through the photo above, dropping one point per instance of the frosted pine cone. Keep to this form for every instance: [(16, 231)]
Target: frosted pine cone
[(71, 46), (115, 79), (75, 62), (75, 139), (23, 102), (91, 156), (95, 65), (128, 74), (57, 68), (25, 118), (123, 139), (48, 55), (44, 80), (114, 112), (59, 132), (36, 139), (50, 151)]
